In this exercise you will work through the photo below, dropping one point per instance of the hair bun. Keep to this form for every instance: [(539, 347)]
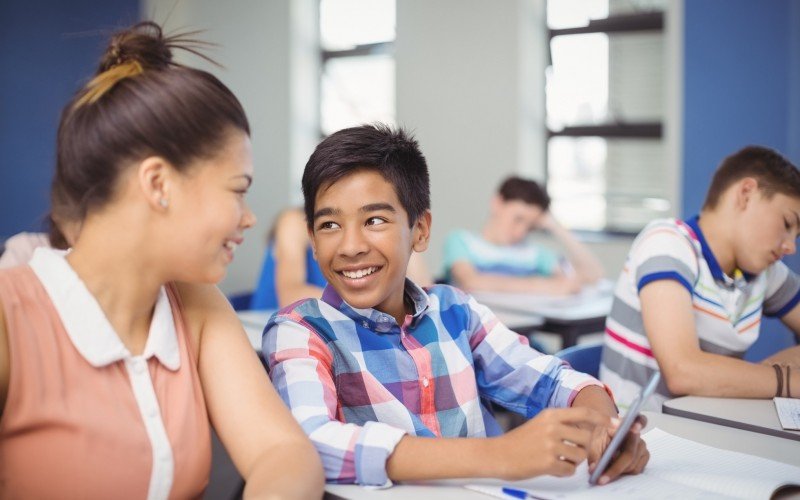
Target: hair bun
[(143, 42)]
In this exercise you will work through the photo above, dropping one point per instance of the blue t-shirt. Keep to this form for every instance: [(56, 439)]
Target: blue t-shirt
[(522, 259), (265, 295)]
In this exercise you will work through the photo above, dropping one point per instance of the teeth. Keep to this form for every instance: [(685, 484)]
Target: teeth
[(360, 273), (230, 245)]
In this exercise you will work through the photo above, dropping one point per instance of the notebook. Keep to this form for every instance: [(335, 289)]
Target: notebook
[(678, 468)]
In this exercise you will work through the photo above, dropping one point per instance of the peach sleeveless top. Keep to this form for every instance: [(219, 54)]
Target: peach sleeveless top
[(83, 417)]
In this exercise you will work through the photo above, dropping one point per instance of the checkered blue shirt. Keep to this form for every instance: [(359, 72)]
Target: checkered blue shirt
[(358, 382)]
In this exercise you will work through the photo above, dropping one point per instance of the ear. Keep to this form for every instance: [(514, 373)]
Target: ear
[(745, 191), (156, 177), (421, 232)]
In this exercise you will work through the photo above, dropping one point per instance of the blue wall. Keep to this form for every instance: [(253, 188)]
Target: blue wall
[(48, 49), (741, 86)]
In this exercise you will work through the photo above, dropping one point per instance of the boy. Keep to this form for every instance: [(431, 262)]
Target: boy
[(690, 297), (502, 259), (378, 364)]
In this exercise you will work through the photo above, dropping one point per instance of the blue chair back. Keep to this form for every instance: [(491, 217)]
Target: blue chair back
[(265, 295), (583, 357)]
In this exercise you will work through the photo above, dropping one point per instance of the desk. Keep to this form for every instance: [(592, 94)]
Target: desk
[(773, 448), (570, 316), (755, 415)]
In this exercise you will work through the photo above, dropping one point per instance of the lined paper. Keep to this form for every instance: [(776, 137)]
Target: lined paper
[(678, 467)]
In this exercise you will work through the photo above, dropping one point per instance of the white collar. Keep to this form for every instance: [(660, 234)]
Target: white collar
[(87, 326)]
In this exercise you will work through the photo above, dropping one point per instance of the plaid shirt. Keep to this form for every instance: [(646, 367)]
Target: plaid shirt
[(357, 382)]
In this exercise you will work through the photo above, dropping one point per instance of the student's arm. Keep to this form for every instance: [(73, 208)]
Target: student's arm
[(467, 277), (291, 245), (667, 312), (265, 443), (300, 367), (587, 267), (789, 356), (519, 378)]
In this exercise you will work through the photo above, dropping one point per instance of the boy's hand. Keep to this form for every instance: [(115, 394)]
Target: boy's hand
[(550, 443), (629, 459)]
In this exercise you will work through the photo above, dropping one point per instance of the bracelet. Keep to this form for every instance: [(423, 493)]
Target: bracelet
[(788, 377), (779, 376)]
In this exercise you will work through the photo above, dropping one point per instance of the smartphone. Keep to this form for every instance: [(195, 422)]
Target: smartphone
[(624, 427)]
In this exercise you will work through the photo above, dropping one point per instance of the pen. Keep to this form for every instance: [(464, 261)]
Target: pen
[(517, 493)]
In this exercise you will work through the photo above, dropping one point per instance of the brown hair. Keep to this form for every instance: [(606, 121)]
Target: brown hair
[(525, 190), (140, 103), (774, 173)]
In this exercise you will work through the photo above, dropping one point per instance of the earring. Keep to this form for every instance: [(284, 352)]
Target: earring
[(163, 202)]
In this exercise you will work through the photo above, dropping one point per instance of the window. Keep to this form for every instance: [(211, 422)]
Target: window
[(357, 86), (605, 107)]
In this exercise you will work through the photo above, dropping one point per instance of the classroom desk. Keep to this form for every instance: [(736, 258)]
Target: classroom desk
[(755, 415), (774, 448), (570, 316)]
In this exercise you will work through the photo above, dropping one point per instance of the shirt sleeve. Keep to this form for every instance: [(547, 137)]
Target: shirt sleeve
[(661, 252), (514, 375), (300, 367), (783, 290)]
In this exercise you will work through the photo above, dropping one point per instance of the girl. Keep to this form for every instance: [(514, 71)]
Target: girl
[(115, 356)]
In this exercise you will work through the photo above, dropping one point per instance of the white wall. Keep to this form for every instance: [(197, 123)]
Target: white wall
[(467, 85), (269, 51)]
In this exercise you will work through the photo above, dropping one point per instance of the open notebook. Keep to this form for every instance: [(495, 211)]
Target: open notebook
[(678, 468)]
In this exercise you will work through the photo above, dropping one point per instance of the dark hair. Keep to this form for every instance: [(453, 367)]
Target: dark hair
[(140, 103), (774, 173), (393, 153), (526, 190)]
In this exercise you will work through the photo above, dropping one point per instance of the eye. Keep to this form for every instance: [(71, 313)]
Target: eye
[(787, 224), (375, 221), (329, 224)]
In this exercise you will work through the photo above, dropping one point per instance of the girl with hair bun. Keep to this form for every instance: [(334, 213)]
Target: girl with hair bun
[(116, 356)]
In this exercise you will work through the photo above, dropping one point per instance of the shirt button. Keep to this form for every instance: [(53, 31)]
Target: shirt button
[(365, 324), (152, 412), (139, 366), (425, 382)]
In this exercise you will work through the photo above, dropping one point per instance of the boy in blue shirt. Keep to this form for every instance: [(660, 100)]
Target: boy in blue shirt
[(379, 364)]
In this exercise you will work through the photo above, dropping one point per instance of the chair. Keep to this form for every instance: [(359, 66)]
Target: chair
[(583, 357)]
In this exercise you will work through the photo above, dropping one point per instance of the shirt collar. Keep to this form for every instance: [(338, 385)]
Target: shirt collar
[(87, 326), (372, 318), (711, 260)]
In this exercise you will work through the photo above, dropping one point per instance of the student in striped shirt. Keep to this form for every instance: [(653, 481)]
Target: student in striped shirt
[(379, 364), (690, 298)]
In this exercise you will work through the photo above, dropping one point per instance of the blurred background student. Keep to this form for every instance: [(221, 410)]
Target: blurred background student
[(502, 258)]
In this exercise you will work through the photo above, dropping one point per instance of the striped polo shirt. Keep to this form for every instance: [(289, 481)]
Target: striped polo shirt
[(727, 310)]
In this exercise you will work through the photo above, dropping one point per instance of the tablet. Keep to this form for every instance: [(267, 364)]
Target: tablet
[(624, 427)]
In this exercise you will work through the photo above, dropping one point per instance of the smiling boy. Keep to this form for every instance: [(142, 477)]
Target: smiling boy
[(379, 365), (690, 298)]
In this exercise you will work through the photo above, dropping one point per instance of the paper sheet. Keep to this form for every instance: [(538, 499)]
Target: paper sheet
[(678, 468), (788, 412)]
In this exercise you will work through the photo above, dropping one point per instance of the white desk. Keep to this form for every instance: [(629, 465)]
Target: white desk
[(773, 448), (755, 415), (569, 316), (254, 322)]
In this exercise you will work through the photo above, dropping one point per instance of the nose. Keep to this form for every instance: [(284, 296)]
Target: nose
[(248, 217), (353, 242), (789, 246)]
